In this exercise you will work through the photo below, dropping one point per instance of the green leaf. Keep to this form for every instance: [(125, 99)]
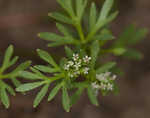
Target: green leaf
[(93, 16), (67, 5), (76, 96), (63, 29), (15, 82), (80, 8), (62, 62), (7, 57), (69, 52), (64, 41), (50, 36), (54, 92), (133, 54), (65, 99), (92, 96), (138, 35), (29, 75), (20, 68), (106, 9), (46, 57), (10, 90), (61, 17), (119, 51), (106, 67), (102, 23), (95, 48), (4, 97), (38, 73), (13, 61), (45, 69), (130, 36), (29, 86), (126, 35), (104, 35), (40, 95)]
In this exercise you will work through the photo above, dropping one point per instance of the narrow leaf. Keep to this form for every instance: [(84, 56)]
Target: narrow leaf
[(93, 16), (54, 92), (16, 82), (45, 69), (106, 67), (7, 57), (61, 17), (46, 57), (76, 96), (63, 29), (20, 68), (4, 97), (29, 86), (92, 96), (69, 52), (94, 52), (50, 36), (29, 75), (106, 9), (40, 95), (65, 99)]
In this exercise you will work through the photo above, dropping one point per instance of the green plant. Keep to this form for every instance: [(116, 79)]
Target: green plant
[(4, 75), (82, 69)]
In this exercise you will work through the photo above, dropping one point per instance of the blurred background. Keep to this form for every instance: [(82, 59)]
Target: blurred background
[(21, 20)]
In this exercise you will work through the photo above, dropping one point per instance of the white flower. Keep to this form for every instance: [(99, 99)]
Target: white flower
[(66, 67), (113, 77), (103, 86), (86, 70), (95, 85), (77, 65), (86, 59), (75, 57), (102, 77), (76, 73), (70, 63), (110, 87)]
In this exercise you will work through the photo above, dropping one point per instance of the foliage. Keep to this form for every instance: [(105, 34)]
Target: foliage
[(4, 75), (84, 43)]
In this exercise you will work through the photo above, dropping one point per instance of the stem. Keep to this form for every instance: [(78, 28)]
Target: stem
[(80, 31), (4, 76)]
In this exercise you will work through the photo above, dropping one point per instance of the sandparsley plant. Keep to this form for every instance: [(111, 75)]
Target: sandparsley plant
[(84, 35), (13, 75)]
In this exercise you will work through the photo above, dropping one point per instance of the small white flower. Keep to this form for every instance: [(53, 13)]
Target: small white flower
[(102, 77), (66, 67), (96, 88), (113, 77), (95, 85), (77, 66), (110, 87), (86, 59), (70, 63), (107, 74), (77, 73), (75, 57), (103, 86), (86, 70)]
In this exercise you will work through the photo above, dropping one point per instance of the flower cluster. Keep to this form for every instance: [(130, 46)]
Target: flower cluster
[(104, 82), (77, 66)]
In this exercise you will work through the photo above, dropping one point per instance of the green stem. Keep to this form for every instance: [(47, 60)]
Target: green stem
[(80, 31), (4, 76)]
